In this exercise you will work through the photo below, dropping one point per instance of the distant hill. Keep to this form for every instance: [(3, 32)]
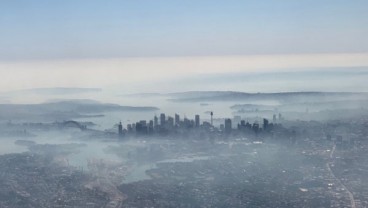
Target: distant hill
[(92, 106), (144, 95), (64, 109)]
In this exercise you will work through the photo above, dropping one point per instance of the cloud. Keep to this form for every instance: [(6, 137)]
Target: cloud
[(134, 73)]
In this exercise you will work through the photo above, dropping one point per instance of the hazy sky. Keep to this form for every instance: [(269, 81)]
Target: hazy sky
[(170, 74), (143, 45), (45, 29)]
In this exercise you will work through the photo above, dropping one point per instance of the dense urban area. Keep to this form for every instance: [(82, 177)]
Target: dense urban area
[(238, 163)]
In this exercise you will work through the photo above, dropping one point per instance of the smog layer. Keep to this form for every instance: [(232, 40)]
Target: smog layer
[(195, 149)]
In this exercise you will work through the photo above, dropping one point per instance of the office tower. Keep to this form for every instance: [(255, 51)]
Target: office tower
[(197, 121), (150, 126), (177, 120), (129, 127), (241, 126), (141, 127), (155, 122), (274, 118), (242, 122), (255, 127), (186, 123), (265, 124), (120, 129), (228, 125), (236, 121), (162, 119), (170, 122)]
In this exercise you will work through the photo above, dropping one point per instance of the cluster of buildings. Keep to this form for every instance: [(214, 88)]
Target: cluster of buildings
[(164, 125)]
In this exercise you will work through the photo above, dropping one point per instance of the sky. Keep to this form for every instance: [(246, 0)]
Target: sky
[(43, 29), (114, 43)]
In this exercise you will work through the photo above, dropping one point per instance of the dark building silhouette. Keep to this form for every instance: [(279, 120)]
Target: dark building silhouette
[(120, 129), (162, 119), (242, 126), (255, 127), (265, 124), (150, 126), (211, 118), (248, 125), (141, 127), (197, 121), (155, 122), (170, 122), (173, 125), (177, 120), (129, 128), (242, 122), (236, 120), (228, 125), (188, 123)]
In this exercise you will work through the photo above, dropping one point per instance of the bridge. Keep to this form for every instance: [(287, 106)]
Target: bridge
[(73, 124)]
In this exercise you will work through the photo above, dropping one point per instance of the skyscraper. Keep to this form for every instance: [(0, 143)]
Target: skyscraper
[(177, 120), (265, 124), (211, 118), (170, 122), (197, 121), (228, 125), (150, 126), (162, 119), (155, 122), (236, 121), (255, 127), (120, 129)]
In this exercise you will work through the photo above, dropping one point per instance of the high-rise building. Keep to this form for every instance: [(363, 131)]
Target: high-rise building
[(197, 121), (162, 119), (265, 124), (141, 127), (187, 123), (177, 120), (155, 122), (248, 125), (150, 126), (255, 127), (170, 122), (120, 129), (211, 118), (241, 126), (228, 126), (236, 121), (274, 118)]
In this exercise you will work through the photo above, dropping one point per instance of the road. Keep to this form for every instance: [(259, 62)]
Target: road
[(351, 196)]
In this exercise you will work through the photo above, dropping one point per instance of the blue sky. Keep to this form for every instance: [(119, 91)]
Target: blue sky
[(68, 29)]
